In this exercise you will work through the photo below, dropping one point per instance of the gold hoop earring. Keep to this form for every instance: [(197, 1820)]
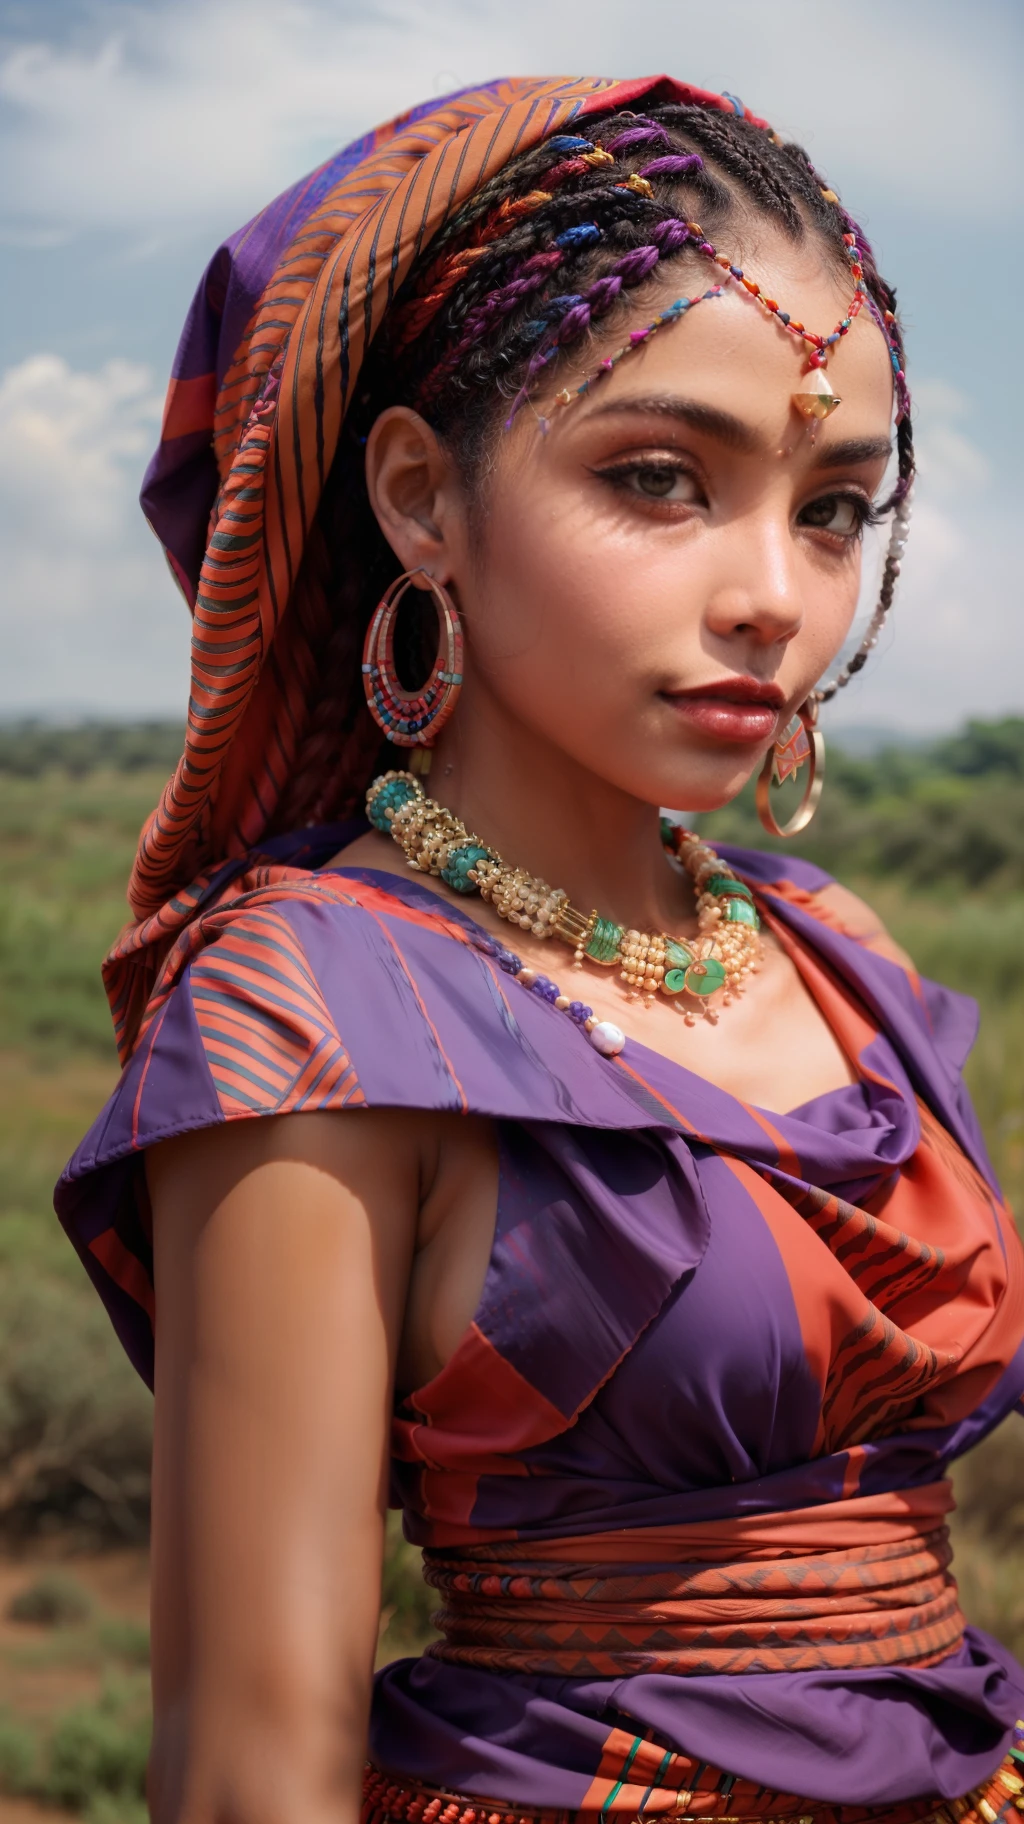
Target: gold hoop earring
[(412, 718), (800, 744)]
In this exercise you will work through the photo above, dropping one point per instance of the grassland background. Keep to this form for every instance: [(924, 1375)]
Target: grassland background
[(934, 838)]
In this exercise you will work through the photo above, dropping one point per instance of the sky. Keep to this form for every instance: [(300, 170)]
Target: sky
[(133, 137)]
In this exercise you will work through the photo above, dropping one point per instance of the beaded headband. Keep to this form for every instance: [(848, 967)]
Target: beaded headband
[(815, 400)]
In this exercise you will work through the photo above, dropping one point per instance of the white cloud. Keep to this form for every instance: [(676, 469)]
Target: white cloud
[(64, 440), (196, 112), (89, 617), (955, 642)]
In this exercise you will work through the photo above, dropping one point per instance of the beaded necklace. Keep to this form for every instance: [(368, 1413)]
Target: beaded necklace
[(723, 956)]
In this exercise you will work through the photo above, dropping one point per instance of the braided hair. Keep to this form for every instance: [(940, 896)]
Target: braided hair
[(534, 262)]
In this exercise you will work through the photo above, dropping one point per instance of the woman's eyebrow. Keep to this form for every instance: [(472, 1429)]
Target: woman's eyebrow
[(853, 450), (723, 426), (737, 435)]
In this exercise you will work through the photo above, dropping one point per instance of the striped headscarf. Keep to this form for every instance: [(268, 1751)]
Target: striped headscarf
[(264, 374)]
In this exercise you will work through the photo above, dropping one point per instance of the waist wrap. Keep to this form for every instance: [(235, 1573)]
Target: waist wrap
[(857, 1583)]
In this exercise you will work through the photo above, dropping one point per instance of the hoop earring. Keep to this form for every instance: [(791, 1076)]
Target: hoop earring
[(800, 744), (412, 718)]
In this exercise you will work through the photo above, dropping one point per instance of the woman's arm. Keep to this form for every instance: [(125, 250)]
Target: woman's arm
[(282, 1257)]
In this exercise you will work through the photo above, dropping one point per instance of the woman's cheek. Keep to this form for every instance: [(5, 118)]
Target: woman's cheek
[(832, 598)]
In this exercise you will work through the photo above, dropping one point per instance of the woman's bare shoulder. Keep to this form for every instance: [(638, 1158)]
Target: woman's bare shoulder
[(350, 1145)]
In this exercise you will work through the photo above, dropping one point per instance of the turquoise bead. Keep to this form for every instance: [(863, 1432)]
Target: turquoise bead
[(677, 956), (740, 912), (456, 872), (727, 883), (675, 981), (710, 979), (390, 799)]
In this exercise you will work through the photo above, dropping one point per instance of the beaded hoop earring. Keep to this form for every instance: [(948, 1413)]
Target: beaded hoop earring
[(799, 744), (412, 718)]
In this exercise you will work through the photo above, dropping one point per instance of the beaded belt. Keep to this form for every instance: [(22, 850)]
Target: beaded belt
[(691, 1793), (858, 1583)]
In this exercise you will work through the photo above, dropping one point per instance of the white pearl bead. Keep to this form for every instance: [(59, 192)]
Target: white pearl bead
[(607, 1039)]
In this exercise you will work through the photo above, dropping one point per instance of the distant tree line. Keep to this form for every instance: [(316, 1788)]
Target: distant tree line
[(29, 748), (951, 811)]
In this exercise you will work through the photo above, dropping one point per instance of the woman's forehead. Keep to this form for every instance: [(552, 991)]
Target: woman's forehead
[(728, 355)]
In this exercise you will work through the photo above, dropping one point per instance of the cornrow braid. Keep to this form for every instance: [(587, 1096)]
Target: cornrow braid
[(571, 314), (749, 157), (446, 272), (561, 239)]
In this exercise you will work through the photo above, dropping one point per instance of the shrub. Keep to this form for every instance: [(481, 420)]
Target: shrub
[(99, 1749), (74, 1418), (106, 1809), (18, 1756), (127, 1641), (53, 1600)]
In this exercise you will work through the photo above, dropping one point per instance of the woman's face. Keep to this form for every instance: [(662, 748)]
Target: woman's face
[(653, 586)]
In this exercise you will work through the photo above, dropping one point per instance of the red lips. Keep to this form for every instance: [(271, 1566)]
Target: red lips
[(739, 710)]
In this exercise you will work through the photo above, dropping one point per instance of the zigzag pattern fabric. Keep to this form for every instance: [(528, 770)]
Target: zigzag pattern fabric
[(888, 1601)]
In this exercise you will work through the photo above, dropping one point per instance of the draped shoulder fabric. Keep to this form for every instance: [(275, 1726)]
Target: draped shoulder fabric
[(682, 1487), (683, 1481)]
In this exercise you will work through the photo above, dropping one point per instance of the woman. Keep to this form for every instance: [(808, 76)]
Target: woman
[(670, 1327)]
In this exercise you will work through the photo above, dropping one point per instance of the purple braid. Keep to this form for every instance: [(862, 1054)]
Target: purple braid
[(675, 165), (572, 312), (642, 133), (632, 269)]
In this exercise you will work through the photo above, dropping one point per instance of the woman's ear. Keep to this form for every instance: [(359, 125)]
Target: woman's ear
[(415, 493)]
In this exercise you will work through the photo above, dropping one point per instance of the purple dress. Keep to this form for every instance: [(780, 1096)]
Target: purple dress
[(703, 1328)]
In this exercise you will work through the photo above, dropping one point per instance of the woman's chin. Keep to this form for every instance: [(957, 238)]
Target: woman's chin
[(697, 788)]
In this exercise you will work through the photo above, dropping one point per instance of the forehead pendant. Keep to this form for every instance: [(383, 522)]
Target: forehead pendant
[(816, 399)]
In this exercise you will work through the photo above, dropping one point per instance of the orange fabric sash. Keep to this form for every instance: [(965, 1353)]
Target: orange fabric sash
[(857, 1583)]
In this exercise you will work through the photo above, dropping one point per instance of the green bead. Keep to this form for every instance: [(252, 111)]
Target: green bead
[(677, 956), (605, 940), (740, 912), (390, 799), (710, 978), (727, 883), (674, 981), (455, 873)]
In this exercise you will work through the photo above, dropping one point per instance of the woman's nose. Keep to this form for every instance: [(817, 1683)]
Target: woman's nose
[(761, 595)]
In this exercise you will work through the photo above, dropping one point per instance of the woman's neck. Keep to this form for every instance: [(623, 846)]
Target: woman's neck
[(545, 813)]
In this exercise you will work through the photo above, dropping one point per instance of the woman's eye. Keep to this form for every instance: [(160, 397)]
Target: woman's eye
[(657, 481), (841, 514)]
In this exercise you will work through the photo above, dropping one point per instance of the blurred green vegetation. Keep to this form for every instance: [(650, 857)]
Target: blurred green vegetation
[(932, 837), (89, 1755), (89, 1758), (30, 748), (947, 818)]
